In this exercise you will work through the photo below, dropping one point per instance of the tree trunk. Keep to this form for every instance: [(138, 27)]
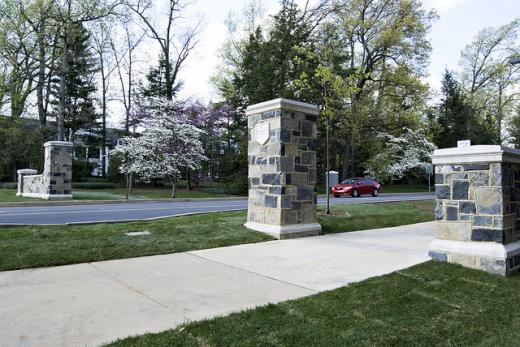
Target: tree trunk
[(104, 116), (41, 79), (173, 181), (63, 78), (127, 181), (129, 178), (188, 180), (349, 159)]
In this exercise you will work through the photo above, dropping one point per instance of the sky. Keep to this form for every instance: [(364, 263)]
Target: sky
[(459, 21)]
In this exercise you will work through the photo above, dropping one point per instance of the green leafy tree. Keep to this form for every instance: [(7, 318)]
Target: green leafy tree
[(388, 51), (488, 79), (514, 129)]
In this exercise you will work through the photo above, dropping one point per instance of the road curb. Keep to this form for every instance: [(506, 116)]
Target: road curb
[(104, 202)]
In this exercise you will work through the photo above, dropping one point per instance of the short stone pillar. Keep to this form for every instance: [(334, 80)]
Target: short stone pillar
[(21, 174), (56, 180), (478, 208), (282, 168)]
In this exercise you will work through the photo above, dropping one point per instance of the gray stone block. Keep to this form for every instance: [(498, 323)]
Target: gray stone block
[(495, 178), (307, 129), (273, 179), (489, 235), (452, 213), (438, 256), (442, 192), (489, 200), (467, 207), (271, 201), (439, 211), (479, 179), (304, 193), (483, 221), (460, 190), (492, 265)]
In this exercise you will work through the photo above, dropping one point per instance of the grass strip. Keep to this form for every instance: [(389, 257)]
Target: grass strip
[(432, 304), (39, 246)]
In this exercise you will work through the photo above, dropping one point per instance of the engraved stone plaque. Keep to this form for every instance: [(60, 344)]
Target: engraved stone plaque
[(262, 133)]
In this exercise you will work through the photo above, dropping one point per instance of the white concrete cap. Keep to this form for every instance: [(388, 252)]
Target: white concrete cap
[(58, 143), (27, 171), (286, 104), (475, 154)]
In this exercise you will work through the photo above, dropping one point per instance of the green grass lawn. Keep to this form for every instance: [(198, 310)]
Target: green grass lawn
[(38, 246), (9, 195), (354, 217), (406, 188), (432, 304)]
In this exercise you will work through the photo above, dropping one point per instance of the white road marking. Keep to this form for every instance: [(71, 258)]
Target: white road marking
[(121, 210)]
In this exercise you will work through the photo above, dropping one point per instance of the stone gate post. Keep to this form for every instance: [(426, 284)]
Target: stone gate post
[(56, 180), (282, 168), (478, 208)]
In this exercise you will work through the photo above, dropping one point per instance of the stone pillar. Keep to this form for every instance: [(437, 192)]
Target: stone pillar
[(58, 169), (478, 208), (21, 174), (56, 180), (282, 168)]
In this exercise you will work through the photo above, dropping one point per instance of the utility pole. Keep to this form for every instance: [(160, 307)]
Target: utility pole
[(327, 164)]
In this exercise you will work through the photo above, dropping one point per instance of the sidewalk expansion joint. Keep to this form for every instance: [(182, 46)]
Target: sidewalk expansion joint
[(254, 273), (114, 278)]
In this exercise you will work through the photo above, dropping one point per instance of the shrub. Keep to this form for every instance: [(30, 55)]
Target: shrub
[(236, 184), (93, 185), (9, 185), (81, 169)]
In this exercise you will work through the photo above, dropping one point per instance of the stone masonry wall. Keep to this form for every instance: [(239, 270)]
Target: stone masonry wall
[(478, 203), (56, 179), (282, 172)]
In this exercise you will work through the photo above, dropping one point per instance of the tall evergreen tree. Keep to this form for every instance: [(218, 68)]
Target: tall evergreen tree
[(156, 78), (456, 119), (268, 65), (454, 122), (79, 111)]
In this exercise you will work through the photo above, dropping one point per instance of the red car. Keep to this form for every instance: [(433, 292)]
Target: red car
[(356, 187)]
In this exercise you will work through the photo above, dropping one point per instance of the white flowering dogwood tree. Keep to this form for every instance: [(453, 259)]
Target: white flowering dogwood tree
[(168, 145), (406, 156)]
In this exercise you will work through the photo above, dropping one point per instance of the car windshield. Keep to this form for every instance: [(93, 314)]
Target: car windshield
[(350, 181)]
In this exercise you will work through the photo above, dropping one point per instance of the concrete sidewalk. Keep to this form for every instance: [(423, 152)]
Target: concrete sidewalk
[(89, 304)]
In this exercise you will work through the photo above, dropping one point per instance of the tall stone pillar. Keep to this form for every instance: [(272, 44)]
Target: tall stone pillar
[(58, 169), (478, 208), (282, 168)]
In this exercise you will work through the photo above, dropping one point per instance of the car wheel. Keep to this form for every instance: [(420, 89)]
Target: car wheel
[(337, 195), (375, 192), (355, 193)]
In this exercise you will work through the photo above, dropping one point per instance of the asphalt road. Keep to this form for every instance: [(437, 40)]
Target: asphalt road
[(110, 212)]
